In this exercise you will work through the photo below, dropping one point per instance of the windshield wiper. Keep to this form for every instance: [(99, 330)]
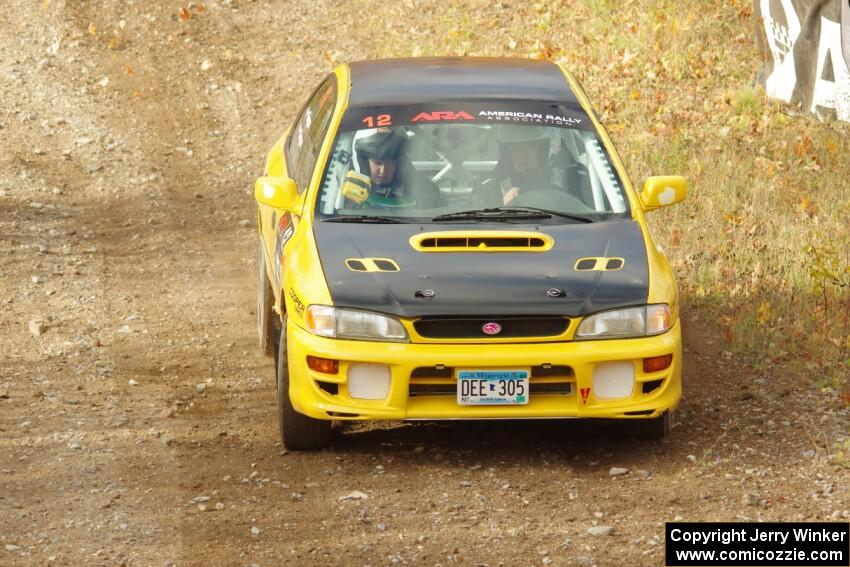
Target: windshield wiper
[(494, 213), (571, 216), (374, 219)]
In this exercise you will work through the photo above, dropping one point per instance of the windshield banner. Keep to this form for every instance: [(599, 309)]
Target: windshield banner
[(481, 114)]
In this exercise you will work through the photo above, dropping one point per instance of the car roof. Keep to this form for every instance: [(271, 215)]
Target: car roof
[(421, 80)]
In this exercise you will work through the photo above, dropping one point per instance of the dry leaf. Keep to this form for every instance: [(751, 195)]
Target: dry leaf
[(844, 393), (675, 236), (803, 145), (831, 146), (765, 312)]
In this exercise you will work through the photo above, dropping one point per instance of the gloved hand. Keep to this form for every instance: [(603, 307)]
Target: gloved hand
[(512, 194), (356, 186)]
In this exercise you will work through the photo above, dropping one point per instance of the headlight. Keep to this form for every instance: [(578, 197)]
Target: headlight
[(340, 323), (630, 322)]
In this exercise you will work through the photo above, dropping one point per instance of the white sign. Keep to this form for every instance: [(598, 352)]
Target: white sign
[(781, 39), (829, 88), (836, 93), (845, 30)]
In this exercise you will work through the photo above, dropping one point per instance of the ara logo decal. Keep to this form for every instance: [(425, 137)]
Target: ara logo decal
[(585, 393), (441, 115)]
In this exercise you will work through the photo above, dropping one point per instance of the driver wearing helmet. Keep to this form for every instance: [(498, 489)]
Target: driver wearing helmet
[(391, 182), (525, 150), (525, 165)]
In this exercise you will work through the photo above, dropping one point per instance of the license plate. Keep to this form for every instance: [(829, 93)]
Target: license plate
[(492, 387)]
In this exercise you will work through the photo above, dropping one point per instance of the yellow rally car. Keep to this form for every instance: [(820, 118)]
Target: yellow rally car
[(456, 238)]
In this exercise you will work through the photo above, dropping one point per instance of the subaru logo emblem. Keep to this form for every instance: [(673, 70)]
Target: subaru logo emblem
[(555, 292), (425, 293), (491, 328)]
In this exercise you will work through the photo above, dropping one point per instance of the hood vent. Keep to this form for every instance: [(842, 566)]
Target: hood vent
[(482, 241), (599, 264), (371, 265)]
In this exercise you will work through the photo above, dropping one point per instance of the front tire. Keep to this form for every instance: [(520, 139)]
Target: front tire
[(655, 428), (297, 431)]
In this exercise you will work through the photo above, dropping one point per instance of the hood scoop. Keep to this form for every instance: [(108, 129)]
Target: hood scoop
[(482, 241)]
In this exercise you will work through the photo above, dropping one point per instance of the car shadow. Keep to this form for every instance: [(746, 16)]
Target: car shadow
[(497, 440)]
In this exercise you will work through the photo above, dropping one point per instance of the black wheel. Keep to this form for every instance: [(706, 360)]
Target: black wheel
[(297, 431), (655, 428), (266, 329)]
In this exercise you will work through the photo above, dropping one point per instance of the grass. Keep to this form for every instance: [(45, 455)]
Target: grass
[(761, 247)]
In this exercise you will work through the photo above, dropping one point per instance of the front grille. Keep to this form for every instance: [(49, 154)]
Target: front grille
[(417, 390), (472, 328), (432, 372)]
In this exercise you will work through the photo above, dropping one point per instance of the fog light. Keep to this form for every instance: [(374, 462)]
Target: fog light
[(612, 380), (368, 381), (326, 365), (657, 363)]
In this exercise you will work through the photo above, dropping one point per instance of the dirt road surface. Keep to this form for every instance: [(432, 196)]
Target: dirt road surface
[(137, 417)]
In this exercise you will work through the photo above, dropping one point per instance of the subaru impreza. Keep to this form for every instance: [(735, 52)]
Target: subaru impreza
[(456, 238)]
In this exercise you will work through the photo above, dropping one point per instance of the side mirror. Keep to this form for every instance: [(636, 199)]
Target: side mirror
[(277, 192), (663, 190)]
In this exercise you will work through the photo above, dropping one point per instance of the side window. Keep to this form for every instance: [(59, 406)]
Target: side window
[(305, 140)]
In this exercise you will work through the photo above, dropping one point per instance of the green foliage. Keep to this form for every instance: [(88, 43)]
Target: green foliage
[(749, 102), (827, 267)]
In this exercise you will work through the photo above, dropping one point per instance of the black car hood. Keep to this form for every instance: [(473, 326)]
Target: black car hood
[(484, 283)]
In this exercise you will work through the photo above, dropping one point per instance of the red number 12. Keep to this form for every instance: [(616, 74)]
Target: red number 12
[(383, 120)]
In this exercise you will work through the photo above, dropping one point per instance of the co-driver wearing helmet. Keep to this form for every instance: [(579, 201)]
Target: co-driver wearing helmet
[(391, 182)]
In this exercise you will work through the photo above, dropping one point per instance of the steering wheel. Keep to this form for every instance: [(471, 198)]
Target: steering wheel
[(545, 197)]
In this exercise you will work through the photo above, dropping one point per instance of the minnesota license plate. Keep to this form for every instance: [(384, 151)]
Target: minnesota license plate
[(492, 387)]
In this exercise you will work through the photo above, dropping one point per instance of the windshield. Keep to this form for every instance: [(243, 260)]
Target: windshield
[(419, 164)]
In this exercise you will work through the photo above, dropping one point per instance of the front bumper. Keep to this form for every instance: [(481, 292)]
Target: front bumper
[(325, 396)]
